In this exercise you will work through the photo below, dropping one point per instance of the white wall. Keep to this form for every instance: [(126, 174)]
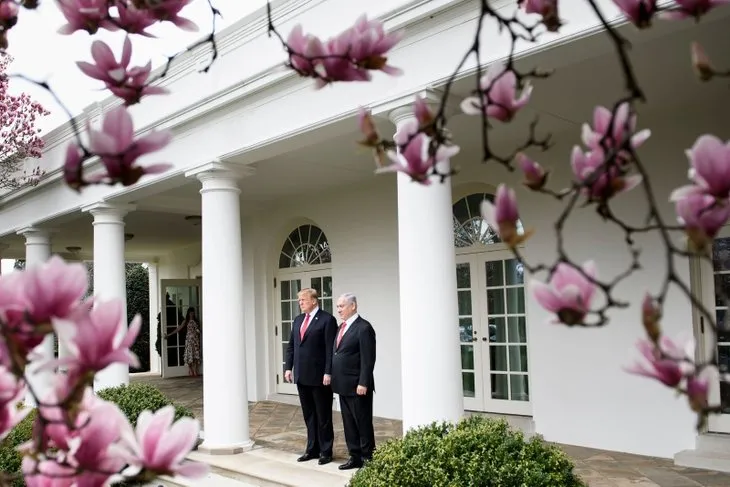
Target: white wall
[(361, 226)]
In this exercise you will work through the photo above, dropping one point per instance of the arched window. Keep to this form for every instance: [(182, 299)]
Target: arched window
[(469, 226), (306, 245)]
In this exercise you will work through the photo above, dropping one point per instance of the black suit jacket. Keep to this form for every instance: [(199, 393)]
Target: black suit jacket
[(311, 358), (353, 361)]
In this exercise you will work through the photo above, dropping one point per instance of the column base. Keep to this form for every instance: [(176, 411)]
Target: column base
[(213, 449)]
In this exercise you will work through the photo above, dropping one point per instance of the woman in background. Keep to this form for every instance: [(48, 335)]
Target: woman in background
[(192, 342)]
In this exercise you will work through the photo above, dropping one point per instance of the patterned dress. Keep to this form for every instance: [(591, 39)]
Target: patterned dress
[(192, 343)]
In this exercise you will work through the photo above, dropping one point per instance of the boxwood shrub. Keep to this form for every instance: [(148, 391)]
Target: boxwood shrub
[(134, 398), (131, 399), (477, 452)]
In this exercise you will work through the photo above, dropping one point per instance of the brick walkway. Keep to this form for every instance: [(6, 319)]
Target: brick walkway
[(280, 426)]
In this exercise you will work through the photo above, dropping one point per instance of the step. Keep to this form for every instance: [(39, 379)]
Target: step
[(264, 467), (213, 479), (703, 459)]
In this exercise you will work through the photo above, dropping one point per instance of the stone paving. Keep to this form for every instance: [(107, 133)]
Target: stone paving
[(280, 426)]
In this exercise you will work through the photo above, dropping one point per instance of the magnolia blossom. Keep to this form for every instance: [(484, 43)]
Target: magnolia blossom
[(134, 20), (535, 175), (30, 300), (701, 62), (692, 8), (97, 337), (307, 52), (424, 114), (650, 316), (349, 56), (709, 160), (169, 10), (600, 180), (498, 97), (665, 370), (697, 393), (569, 292), (54, 289), (547, 8), (160, 447), (88, 15), (611, 131), (639, 12), (48, 473), (414, 155), (127, 83), (702, 217), (503, 216), (118, 150)]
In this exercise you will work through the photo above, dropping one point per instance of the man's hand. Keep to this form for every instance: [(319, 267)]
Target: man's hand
[(327, 379), (361, 390), (287, 376)]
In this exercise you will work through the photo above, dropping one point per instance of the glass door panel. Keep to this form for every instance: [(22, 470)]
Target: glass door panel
[(469, 323), (178, 295), (716, 289), (288, 310)]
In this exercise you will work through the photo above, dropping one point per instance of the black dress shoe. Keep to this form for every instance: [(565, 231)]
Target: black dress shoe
[(324, 460), (306, 457), (350, 464)]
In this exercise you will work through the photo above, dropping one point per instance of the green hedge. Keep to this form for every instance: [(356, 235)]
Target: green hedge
[(10, 459), (478, 452), (138, 397), (131, 399)]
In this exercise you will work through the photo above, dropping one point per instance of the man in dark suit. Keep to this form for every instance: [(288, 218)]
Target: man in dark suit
[(352, 378), (309, 355)]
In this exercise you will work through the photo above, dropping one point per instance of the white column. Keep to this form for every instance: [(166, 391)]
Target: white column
[(154, 309), (225, 392), (3, 248), (38, 251), (110, 281), (430, 349)]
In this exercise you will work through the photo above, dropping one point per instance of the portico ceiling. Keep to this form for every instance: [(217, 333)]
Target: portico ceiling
[(329, 157)]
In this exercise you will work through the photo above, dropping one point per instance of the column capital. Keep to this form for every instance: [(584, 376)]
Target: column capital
[(220, 170), (108, 211), (220, 176), (35, 234), (401, 105)]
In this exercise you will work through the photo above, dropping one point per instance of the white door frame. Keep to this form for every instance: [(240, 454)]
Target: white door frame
[(483, 400), (704, 278), (181, 369), (305, 275)]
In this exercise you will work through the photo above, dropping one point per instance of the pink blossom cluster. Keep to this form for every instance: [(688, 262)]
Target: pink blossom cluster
[(348, 56), (19, 136), (79, 439)]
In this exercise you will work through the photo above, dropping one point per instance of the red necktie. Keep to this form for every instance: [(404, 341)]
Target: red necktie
[(342, 332), (304, 327)]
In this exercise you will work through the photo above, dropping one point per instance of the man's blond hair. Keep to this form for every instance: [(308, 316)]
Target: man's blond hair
[(309, 292)]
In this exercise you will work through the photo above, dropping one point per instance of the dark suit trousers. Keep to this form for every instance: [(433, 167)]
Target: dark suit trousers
[(357, 418), (316, 404)]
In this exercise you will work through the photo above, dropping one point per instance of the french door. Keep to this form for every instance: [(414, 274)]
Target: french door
[(715, 290), (287, 287), (177, 295), (493, 333)]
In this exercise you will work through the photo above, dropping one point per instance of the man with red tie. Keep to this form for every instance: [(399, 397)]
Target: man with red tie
[(352, 378), (309, 366)]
